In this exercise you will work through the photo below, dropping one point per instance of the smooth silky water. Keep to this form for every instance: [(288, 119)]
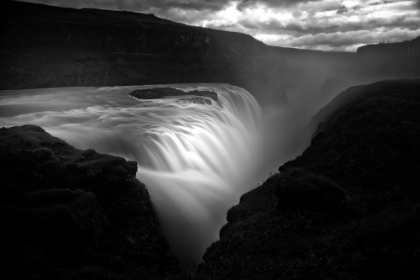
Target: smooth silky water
[(195, 160)]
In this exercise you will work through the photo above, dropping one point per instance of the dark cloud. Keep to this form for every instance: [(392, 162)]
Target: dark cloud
[(146, 5), (229, 27), (296, 29), (340, 41), (299, 29), (385, 2), (250, 25), (184, 11), (332, 40), (139, 5), (271, 26), (300, 23), (342, 10), (271, 3)]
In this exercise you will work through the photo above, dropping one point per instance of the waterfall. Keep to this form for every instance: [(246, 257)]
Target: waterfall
[(194, 159)]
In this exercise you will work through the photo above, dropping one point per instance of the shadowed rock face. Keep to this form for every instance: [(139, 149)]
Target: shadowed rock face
[(301, 191), (288, 227), (73, 214), (390, 60), (43, 46)]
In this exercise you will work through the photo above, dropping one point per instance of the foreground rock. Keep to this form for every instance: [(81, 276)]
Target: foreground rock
[(301, 191), (347, 208), (71, 214)]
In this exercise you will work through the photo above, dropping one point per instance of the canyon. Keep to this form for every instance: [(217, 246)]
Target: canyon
[(343, 127)]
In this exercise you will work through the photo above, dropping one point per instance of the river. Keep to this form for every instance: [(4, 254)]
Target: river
[(196, 160)]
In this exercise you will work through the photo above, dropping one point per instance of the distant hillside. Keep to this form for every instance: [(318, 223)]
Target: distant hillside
[(347, 208), (405, 48), (45, 46), (400, 59)]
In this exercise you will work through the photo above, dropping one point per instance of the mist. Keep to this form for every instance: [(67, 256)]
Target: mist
[(195, 160)]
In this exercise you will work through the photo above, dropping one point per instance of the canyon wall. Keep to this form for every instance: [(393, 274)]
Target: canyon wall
[(43, 46)]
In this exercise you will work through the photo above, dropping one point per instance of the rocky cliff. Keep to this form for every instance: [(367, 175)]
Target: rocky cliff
[(397, 59), (71, 214), (347, 208), (44, 46)]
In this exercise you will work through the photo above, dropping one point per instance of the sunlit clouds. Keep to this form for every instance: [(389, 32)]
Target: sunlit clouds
[(310, 24)]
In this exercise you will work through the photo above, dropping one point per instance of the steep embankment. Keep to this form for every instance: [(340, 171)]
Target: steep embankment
[(44, 46), (71, 214), (385, 60), (348, 207)]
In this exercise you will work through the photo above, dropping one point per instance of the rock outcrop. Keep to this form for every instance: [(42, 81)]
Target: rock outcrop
[(71, 214), (387, 60), (298, 190), (195, 96), (44, 46), (348, 207)]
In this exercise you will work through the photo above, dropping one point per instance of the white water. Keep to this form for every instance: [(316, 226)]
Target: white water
[(195, 160)]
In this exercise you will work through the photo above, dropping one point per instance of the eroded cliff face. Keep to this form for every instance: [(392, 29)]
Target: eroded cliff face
[(348, 207), (48, 47), (44, 46), (387, 60), (72, 214)]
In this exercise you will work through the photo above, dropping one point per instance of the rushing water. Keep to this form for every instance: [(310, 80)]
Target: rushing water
[(195, 160)]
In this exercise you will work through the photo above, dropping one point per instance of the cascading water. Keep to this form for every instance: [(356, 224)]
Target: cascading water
[(194, 159)]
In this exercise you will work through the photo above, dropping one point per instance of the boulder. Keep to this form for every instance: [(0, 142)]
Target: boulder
[(71, 214), (62, 219)]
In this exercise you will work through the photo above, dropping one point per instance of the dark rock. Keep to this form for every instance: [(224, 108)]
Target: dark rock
[(301, 191), (43, 154), (68, 217), (231, 216), (369, 149), (55, 47), (198, 96), (131, 167), (62, 219), (58, 47), (224, 229), (88, 153), (52, 197)]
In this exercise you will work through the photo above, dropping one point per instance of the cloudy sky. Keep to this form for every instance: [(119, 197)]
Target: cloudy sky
[(310, 24)]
